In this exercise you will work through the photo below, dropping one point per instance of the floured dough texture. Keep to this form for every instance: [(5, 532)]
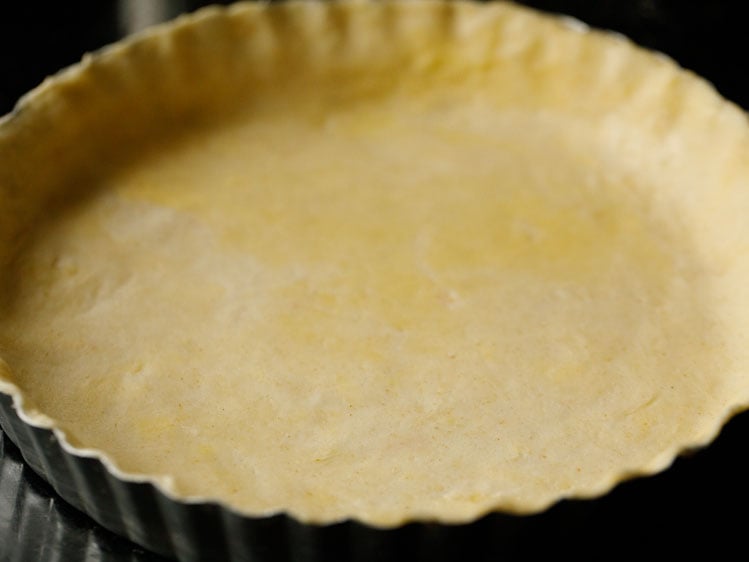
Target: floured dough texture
[(422, 302)]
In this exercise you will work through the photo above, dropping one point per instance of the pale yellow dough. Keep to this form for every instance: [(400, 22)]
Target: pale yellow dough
[(495, 262)]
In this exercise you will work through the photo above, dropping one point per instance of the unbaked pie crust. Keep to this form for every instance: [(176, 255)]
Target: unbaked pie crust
[(379, 260)]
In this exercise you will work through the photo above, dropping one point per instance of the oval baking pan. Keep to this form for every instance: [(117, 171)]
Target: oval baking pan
[(656, 511)]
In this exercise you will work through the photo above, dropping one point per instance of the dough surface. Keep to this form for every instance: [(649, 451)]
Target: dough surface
[(480, 284)]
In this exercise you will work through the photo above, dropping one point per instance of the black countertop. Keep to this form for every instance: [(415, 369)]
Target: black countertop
[(694, 503)]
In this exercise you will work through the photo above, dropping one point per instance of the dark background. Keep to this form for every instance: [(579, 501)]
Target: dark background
[(701, 502)]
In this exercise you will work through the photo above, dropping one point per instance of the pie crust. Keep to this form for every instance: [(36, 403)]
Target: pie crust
[(387, 261)]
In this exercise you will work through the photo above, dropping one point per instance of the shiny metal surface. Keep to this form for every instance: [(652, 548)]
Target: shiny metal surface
[(37, 525)]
